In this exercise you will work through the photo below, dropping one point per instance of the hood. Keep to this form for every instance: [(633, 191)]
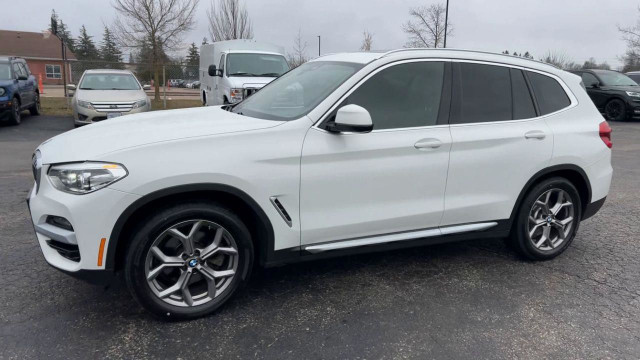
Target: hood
[(624, 88), (92, 141), (249, 81), (6, 82), (110, 95)]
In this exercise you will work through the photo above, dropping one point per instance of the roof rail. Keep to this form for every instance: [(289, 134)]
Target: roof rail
[(465, 50)]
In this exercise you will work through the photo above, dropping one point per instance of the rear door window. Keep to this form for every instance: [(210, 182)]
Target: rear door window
[(549, 93), (483, 94)]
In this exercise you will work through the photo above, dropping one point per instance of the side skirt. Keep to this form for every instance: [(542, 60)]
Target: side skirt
[(425, 237)]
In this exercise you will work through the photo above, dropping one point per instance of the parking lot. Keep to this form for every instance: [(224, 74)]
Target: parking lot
[(465, 300)]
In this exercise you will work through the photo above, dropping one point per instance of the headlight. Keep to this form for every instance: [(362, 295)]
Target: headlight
[(236, 95), (85, 104), (2, 91), (85, 177), (140, 103), (633, 93)]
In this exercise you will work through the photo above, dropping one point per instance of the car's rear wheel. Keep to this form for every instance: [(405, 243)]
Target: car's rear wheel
[(547, 220), (15, 117), (188, 260), (616, 110), (35, 108)]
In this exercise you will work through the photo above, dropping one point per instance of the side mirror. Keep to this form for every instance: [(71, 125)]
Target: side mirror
[(213, 71), (22, 77), (71, 86), (595, 85), (351, 118), (146, 87)]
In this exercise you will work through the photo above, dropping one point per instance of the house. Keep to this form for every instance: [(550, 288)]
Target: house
[(41, 50)]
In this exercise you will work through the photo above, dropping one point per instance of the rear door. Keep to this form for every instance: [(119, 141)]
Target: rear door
[(498, 142), (30, 83)]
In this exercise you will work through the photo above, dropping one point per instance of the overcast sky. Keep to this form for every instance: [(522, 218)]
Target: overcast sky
[(580, 28)]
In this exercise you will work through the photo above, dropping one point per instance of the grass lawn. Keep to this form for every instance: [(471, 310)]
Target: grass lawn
[(57, 106)]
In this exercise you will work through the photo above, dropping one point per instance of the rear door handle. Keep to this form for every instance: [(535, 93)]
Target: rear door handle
[(426, 144), (535, 134)]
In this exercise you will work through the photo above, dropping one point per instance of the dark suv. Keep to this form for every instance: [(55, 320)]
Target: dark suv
[(18, 90), (614, 94)]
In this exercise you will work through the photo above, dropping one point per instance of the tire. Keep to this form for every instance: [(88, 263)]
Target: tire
[(35, 109), (204, 98), (545, 222), (201, 269), (15, 117), (616, 110)]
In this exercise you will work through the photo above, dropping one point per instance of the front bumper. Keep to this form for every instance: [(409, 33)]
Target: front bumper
[(5, 108), (83, 116), (81, 251)]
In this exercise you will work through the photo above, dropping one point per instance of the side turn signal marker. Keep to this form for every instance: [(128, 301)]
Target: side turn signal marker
[(101, 251)]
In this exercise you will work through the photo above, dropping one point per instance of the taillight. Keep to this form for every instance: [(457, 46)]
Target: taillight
[(605, 134)]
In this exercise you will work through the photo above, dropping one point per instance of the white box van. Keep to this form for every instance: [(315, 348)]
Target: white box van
[(233, 70)]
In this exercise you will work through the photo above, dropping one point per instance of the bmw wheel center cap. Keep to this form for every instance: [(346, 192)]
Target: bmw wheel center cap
[(193, 262)]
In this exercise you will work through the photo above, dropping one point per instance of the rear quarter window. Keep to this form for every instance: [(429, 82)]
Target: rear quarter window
[(549, 93)]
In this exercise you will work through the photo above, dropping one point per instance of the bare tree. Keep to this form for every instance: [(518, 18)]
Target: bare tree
[(631, 35), (560, 59), (427, 27), (299, 55), (367, 41), (229, 20), (159, 24)]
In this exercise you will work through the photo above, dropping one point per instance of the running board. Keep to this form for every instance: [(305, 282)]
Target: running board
[(410, 235)]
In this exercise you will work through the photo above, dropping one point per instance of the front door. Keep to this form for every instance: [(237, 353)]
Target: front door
[(390, 180)]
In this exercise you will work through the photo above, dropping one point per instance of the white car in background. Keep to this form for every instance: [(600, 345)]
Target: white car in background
[(106, 94), (347, 153)]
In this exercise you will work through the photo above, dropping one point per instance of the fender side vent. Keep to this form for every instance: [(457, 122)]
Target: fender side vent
[(281, 210)]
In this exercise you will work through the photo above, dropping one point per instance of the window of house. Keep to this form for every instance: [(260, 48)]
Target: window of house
[(53, 71)]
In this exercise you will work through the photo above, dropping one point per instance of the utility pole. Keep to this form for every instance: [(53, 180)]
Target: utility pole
[(54, 29), (318, 45), (446, 21)]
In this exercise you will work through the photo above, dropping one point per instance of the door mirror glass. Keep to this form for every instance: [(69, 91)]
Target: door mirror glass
[(351, 118)]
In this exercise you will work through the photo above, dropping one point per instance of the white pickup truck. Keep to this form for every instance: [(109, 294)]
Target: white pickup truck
[(233, 70)]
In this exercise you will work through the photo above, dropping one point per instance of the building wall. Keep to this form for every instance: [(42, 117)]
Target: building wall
[(38, 67)]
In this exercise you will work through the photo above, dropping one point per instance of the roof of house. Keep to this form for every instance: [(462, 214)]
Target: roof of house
[(32, 45)]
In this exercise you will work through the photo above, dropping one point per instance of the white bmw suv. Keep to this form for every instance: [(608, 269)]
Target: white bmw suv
[(347, 153)]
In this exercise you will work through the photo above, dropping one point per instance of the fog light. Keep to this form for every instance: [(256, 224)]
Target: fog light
[(59, 222)]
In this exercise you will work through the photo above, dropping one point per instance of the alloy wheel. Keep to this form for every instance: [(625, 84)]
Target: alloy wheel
[(614, 109), (551, 219), (191, 263)]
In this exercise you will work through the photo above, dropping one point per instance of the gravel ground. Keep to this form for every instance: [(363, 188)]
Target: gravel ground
[(466, 300)]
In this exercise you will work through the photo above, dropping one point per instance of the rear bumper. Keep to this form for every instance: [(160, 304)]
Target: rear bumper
[(593, 208)]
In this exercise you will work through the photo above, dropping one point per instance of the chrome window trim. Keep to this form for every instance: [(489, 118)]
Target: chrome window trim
[(572, 98)]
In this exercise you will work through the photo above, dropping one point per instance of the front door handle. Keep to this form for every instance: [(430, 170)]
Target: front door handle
[(535, 134), (426, 144)]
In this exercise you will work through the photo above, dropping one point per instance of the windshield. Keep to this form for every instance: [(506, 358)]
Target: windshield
[(297, 92), (256, 65), (5, 72), (612, 78), (109, 82)]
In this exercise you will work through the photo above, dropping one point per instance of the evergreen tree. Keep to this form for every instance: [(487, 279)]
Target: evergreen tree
[(204, 41), (63, 33), (193, 56), (527, 55), (85, 47), (109, 51)]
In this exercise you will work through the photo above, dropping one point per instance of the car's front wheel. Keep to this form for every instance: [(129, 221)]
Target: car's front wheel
[(187, 261), (547, 220), (616, 110)]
